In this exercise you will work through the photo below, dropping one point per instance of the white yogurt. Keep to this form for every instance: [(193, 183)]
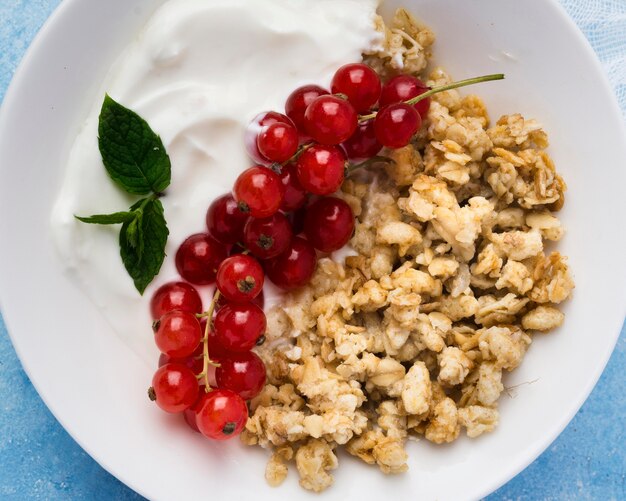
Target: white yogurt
[(198, 73)]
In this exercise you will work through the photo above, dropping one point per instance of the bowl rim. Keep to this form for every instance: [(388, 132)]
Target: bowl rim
[(522, 462)]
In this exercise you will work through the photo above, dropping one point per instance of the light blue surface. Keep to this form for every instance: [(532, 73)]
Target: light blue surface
[(39, 460)]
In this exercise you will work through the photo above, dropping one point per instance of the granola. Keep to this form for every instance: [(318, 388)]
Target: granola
[(450, 278)]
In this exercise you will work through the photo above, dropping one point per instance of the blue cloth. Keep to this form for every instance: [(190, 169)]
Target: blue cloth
[(39, 460)]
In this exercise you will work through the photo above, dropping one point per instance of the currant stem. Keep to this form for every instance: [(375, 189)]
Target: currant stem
[(442, 88), (367, 163), (299, 152), (205, 346)]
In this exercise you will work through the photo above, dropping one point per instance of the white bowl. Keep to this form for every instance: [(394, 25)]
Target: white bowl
[(96, 386)]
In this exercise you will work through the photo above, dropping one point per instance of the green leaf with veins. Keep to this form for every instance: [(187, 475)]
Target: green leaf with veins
[(142, 242), (133, 154), (115, 218)]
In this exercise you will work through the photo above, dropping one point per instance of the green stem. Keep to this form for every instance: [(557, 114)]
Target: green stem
[(442, 88)]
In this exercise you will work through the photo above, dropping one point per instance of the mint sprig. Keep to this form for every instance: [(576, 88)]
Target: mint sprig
[(136, 160)]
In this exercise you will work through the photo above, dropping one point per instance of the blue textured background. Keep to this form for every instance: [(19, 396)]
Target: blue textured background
[(39, 460)]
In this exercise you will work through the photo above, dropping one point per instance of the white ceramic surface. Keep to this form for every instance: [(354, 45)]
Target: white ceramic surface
[(96, 386)]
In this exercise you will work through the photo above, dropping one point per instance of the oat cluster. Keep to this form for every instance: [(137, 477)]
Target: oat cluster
[(449, 280)]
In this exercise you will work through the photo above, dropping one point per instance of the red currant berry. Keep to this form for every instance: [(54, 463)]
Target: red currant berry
[(172, 296), (267, 237), (296, 219), (259, 301), (237, 248), (402, 88), (238, 327), (225, 221), (294, 267), (194, 362), (258, 125), (258, 191), (359, 83), (221, 414), (190, 413), (243, 373), (294, 195), (177, 334), (363, 143), (321, 169), (240, 278), (299, 100), (216, 351), (174, 387), (330, 120), (329, 224), (278, 142), (198, 258), (396, 124)]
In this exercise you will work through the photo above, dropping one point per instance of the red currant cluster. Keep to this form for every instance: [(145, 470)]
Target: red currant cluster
[(186, 336), (301, 160), (279, 215), (332, 120), (308, 148)]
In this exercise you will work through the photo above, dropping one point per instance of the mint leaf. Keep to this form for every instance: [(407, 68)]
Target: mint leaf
[(133, 232), (115, 218), (134, 156), (143, 260)]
